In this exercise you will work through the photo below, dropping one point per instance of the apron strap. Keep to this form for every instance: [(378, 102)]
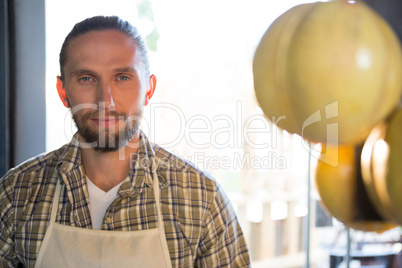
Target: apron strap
[(157, 199), (55, 203), (161, 225), (52, 220)]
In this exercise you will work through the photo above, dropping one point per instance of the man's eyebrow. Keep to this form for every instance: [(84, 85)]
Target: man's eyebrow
[(124, 70), (80, 71)]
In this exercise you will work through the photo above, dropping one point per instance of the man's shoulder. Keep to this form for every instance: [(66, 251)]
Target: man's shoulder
[(32, 168), (170, 162)]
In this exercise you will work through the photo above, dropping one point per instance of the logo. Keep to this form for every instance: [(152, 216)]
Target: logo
[(330, 111)]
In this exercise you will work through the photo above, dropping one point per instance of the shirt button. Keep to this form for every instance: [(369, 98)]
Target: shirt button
[(108, 220)]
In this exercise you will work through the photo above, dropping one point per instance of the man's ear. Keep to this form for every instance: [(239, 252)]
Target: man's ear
[(151, 89), (62, 92)]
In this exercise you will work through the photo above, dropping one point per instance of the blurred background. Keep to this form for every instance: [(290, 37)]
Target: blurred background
[(204, 110)]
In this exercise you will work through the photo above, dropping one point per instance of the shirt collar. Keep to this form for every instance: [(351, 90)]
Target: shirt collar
[(71, 156), (138, 176)]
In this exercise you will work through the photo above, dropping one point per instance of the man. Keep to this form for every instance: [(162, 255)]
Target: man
[(110, 198)]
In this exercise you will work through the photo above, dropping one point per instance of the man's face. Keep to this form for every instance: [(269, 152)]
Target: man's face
[(106, 88)]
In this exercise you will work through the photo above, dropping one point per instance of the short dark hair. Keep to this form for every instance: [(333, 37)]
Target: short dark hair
[(100, 23)]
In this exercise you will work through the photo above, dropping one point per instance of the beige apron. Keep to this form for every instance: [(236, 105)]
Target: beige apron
[(67, 246)]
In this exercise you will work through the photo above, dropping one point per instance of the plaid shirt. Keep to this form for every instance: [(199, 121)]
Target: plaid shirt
[(201, 227)]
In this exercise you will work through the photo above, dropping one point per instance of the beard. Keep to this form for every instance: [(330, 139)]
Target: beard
[(109, 139)]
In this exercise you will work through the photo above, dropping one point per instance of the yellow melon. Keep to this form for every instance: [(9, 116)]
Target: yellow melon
[(328, 71), (382, 167), (342, 191)]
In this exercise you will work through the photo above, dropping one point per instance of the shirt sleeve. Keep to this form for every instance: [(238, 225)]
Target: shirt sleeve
[(7, 253), (222, 243)]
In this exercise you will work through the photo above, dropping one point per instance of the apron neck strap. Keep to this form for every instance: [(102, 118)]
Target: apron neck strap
[(55, 203), (156, 190)]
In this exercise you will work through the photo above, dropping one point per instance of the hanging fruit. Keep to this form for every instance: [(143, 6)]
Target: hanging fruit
[(342, 191), (333, 69), (382, 167)]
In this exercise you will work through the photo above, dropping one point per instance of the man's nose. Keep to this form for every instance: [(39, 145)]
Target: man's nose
[(105, 95)]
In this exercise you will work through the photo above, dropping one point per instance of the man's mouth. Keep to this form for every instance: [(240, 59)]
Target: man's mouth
[(105, 121)]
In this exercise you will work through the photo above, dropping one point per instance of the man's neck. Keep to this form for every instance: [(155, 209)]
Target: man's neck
[(108, 169)]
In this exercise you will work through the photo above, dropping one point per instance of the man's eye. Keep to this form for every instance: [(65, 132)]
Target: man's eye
[(123, 78), (85, 79)]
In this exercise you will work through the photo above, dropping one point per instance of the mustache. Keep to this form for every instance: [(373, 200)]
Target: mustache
[(95, 114)]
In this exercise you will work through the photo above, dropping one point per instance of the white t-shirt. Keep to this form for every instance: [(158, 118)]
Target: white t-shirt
[(99, 202)]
